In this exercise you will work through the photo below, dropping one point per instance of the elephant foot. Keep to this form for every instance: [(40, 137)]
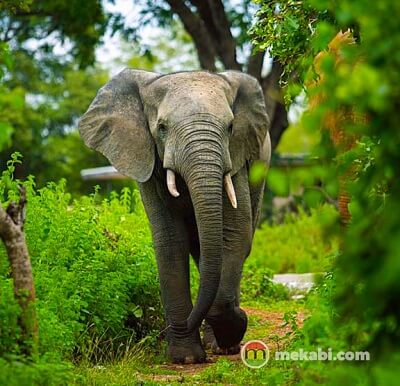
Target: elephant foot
[(228, 329), (215, 349), (188, 350), (210, 343), (208, 336)]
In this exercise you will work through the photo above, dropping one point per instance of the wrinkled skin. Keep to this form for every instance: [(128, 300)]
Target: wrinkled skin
[(182, 136)]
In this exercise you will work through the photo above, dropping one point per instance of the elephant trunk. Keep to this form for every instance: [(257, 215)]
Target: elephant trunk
[(202, 170), (228, 184)]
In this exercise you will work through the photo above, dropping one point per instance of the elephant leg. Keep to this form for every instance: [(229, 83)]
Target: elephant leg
[(171, 243), (227, 319)]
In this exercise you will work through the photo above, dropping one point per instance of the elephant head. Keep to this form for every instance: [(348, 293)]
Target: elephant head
[(202, 126)]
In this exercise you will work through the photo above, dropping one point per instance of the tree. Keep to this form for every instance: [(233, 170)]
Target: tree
[(219, 32), (12, 221), (81, 24), (42, 93), (42, 111), (9, 99)]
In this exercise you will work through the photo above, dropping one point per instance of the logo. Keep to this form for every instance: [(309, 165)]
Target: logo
[(255, 354)]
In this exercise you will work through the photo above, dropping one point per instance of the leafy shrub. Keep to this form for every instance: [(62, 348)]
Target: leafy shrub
[(95, 274), (17, 373), (258, 284), (297, 245)]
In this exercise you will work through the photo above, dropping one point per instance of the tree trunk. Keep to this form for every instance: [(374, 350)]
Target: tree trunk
[(275, 103), (12, 233)]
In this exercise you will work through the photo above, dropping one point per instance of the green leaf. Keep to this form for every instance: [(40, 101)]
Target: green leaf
[(258, 172), (278, 182), (6, 131), (138, 312)]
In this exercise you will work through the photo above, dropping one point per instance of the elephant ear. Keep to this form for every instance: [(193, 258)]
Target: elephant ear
[(250, 138), (116, 126)]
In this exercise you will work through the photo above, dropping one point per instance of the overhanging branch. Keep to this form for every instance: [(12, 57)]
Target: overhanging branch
[(227, 44), (255, 64), (213, 15), (274, 103), (197, 30)]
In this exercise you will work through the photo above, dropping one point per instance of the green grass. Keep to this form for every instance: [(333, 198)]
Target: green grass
[(320, 330), (148, 367)]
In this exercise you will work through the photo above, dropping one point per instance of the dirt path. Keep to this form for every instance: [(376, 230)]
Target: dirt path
[(267, 326)]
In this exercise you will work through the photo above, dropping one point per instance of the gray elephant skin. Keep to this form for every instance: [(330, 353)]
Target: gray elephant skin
[(189, 140)]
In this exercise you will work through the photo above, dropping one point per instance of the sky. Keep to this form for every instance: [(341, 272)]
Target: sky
[(108, 53)]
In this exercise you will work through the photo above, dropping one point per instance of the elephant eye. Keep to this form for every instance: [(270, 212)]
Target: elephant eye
[(230, 129), (162, 129)]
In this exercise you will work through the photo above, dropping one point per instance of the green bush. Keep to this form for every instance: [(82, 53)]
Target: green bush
[(17, 373), (297, 245), (95, 275), (258, 284)]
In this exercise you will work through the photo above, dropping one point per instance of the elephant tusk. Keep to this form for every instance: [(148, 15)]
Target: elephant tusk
[(171, 183), (230, 190)]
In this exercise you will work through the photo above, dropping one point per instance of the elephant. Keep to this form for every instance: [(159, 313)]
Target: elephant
[(189, 139)]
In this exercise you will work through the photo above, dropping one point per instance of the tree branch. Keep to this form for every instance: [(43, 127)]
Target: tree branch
[(279, 124), (271, 87), (196, 29), (17, 211), (205, 12), (274, 103), (255, 64), (32, 13), (213, 15), (6, 224), (227, 44)]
